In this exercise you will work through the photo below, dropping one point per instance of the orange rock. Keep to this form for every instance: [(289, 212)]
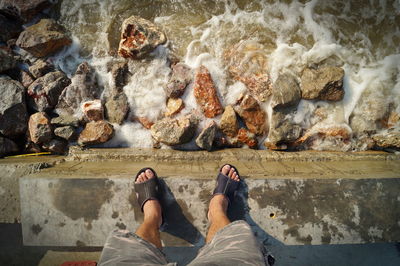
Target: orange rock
[(393, 119), (247, 138), (145, 122), (252, 114), (206, 93), (40, 130), (93, 110), (96, 132), (340, 132)]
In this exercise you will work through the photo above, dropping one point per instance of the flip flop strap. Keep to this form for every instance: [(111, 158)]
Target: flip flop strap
[(226, 186), (146, 191)]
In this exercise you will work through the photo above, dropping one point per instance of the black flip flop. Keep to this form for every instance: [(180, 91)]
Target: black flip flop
[(147, 190), (225, 185)]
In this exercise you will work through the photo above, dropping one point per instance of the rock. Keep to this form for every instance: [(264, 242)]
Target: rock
[(45, 91), (7, 60), (252, 114), (44, 38), (247, 62), (65, 120), (13, 113), (31, 147), (229, 123), (323, 84), (393, 120), (387, 140), (56, 146), (26, 9), (7, 146), (67, 132), (139, 37), (206, 137), (120, 75), (116, 108), (285, 92), (83, 88), (174, 131), (10, 28), (26, 79), (40, 130), (145, 122), (282, 131), (40, 68), (180, 78), (246, 137), (93, 110), (96, 132), (206, 93), (174, 106)]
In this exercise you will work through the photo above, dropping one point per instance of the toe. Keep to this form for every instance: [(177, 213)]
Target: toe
[(231, 172), (225, 169), (149, 174)]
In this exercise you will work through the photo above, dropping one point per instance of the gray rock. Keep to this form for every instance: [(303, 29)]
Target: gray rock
[(7, 146), (40, 68), (116, 107), (67, 132), (40, 130), (120, 75), (56, 146), (25, 78), (65, 120), (45, 91), (282, 130), (24, 9), (10, 28), (83, 88), (180, 78), (13, 112), (323, 84), (139, 37), (174, 131), (44, 38), (7, 61), (206, 137), (229, 123), (387, 140), (285, 92)]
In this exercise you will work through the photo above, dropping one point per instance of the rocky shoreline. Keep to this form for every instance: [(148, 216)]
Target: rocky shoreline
[(42, 109)]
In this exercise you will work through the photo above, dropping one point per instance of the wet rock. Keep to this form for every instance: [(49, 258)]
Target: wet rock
[(285, 92), (10, 27), (93, 110), (206, 93), (387, 140), (174, 106), (13, 112), (206, 137), (7, 146), (40, 130), (45, 91), (139, 37), (393, 120), (282, 131), (96, 132), (116, 107), (174, 131), (26, 79), (67, 132), (246, 137), (7, 61), (44, 38), (65, 120), (247, 63), (40, 68), (252, 114), (25, 9), (120, 75), (83, 88), (56, 146), (180, 78), (31, 147), (323, 84), (229, 123), (145, 122)]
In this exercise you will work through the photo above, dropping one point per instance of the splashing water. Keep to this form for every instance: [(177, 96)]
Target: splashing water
[(362, 37)]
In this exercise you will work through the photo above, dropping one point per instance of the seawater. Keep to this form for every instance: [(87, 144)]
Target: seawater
[(362, 37)]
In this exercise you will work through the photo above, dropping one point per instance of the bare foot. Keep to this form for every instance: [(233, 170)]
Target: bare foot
[(152, 208), (219, 202)]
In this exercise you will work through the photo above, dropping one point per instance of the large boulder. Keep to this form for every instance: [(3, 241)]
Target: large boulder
[(7, 61), (40, 129), (285, 92), (180, 78), (229, 124), (10, 27), (282, 131), (247, 62), (206, 93), (139, 37), (387, 140), (44, 38), (13, 112), (96, 132), (45, 91), (7, 146), (252, 114), (116, 107), (174, 106), (24, 9), (83, 88), (206, 137), (325, 83), (174, 131)]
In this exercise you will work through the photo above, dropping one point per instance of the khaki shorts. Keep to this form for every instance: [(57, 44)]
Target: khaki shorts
[(234, 244)]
